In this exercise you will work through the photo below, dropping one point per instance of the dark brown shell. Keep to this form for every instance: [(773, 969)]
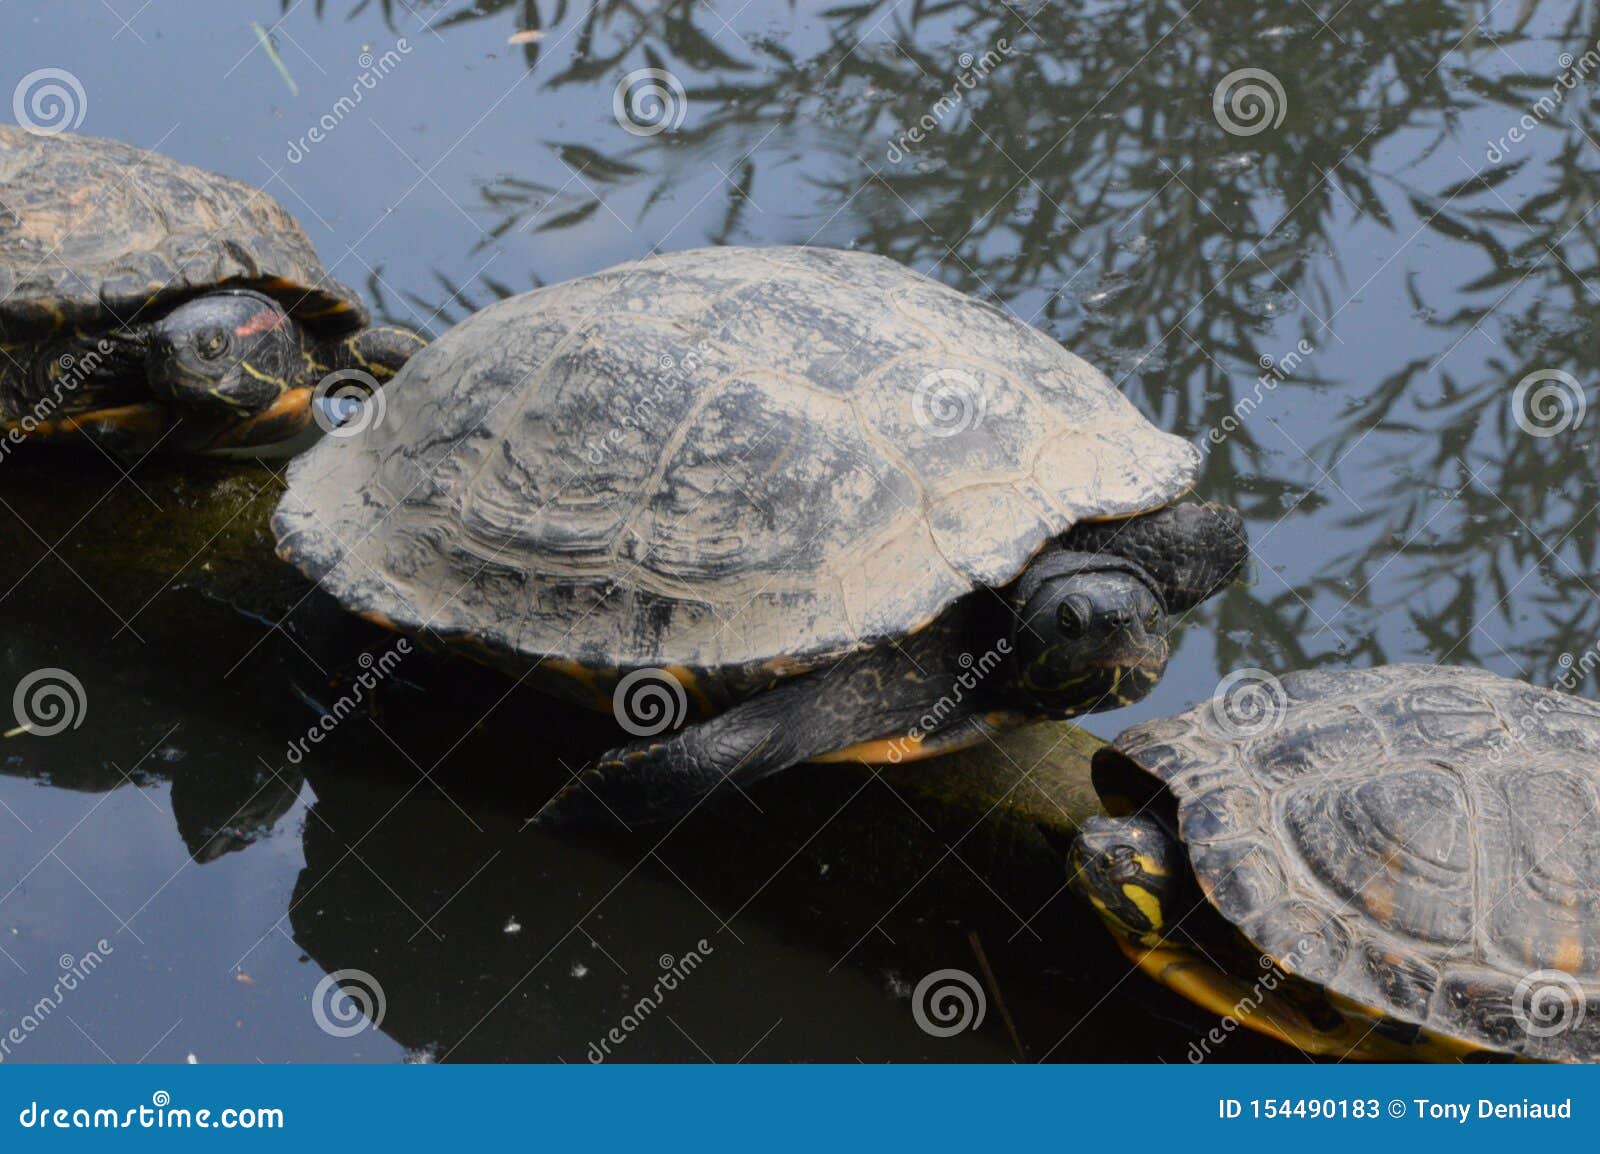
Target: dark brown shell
[(713, 460), (1421, 840), (96, 234)]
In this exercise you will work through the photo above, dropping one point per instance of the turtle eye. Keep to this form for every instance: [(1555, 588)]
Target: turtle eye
[(1072, 618), (1123, 867), (211, 344)]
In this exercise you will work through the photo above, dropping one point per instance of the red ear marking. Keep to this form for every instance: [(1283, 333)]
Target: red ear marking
[(263, 321)]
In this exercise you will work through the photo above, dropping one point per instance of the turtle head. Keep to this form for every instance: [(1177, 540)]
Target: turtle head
[(1132, 871), (227, 354), (1091, 634)]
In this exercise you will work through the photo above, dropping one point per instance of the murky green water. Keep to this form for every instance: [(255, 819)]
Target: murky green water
[(1336, 300)]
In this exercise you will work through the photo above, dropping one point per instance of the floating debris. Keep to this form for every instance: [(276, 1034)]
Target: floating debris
[(272, 54), (1233, 162), (526, 36), (513, 926)]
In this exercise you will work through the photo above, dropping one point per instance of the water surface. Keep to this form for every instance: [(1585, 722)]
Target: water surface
[(1336, 300)]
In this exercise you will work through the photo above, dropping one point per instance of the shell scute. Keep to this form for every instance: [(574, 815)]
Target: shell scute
[(1543, 887), (831, 352), (1169, 750), (1398, 846), (1436, 717), (1245, 877), (1230, 810), (1315, 744), (1407, 983), (1316, 685), (1303, 938)]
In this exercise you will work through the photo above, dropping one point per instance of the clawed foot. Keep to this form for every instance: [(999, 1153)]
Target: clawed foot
[(580, 803), (664, 779), (624, 788)]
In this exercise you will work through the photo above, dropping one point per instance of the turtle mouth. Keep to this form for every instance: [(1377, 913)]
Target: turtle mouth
[(282, 420), (1152, 661)]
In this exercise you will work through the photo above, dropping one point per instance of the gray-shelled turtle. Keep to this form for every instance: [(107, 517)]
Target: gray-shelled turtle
[(828, 506)]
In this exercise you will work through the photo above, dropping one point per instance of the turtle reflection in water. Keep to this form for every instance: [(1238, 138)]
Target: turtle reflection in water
[(1405, 863), (146, 303), (808, 490)]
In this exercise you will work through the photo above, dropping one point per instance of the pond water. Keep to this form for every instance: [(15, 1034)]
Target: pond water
[(1333, 285)]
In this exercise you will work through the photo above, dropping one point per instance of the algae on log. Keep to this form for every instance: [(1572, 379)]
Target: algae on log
[(131, 534), (145, 542)]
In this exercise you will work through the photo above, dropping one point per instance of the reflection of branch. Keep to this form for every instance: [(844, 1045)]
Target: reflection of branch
[(1530, 508)]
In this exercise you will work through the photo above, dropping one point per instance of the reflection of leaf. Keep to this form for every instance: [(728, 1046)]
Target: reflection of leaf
[(1441, 222), (1489, 178), (567, 219), (738, 200), (592, 165), (474, 12)]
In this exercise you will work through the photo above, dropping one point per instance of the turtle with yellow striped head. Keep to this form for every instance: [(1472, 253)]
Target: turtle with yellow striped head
[(145, 303), (1391, 863)]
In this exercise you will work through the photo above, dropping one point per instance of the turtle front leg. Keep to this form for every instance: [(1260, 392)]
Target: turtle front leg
[(664, 778), (884, 696)]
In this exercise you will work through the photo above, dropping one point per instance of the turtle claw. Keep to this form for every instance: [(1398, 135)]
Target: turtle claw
[(578, 804), (648, 783)]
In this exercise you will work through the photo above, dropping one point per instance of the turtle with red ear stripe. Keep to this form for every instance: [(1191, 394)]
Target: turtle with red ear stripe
[(145, 304)]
